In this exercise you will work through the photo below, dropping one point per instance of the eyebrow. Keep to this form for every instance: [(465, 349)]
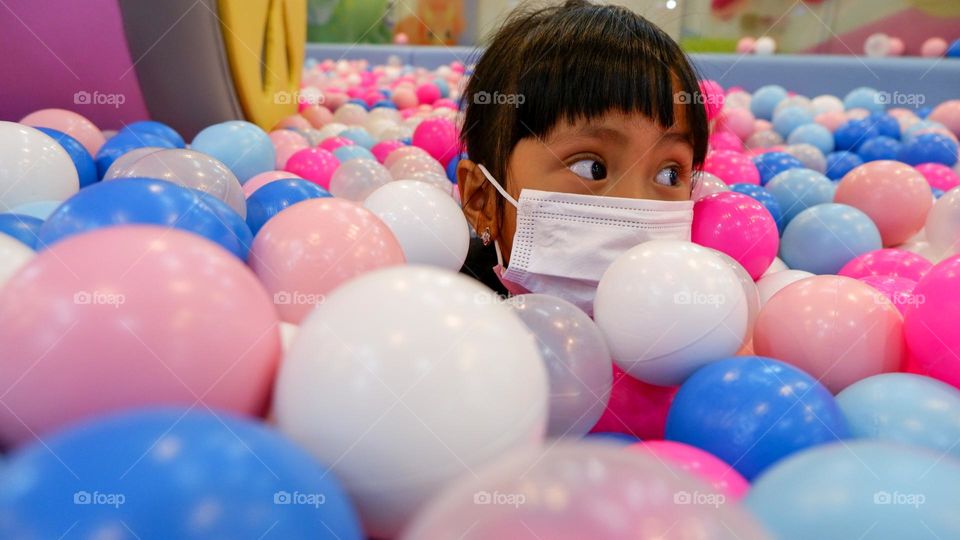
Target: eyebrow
[(593, 131)]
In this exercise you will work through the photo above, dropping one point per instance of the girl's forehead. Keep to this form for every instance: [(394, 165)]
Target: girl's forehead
[(616, 125)]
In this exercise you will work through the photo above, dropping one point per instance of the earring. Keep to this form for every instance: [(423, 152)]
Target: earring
[(485, 237)]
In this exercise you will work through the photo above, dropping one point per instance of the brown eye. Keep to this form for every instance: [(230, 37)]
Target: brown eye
[(589, 169), (668, 176)]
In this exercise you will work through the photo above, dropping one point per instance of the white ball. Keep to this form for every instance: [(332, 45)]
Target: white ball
[(707, 184), (776, 266), (826, 103), (405, 379), (877, 45), (802, 102), (33, 167), (356, 179), (809, 155), (411, 164), (427, 222), (13, 255), (737, 99), (765, 45), (350, 114), (943, 224), (288, 331), (769, 285), (668, 307), (763, 139), (330, 130)]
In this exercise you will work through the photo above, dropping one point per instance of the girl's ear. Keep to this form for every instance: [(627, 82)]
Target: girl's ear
[(479, 199)]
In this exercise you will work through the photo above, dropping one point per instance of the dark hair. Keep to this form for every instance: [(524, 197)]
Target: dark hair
[(575, 61)]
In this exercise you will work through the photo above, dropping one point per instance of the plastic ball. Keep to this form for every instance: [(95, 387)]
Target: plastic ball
[(438, 136), (577, 361), (877, 45), (313, 164), (82, 160), (836, 328), (640, 314), (846, 490), (14, 254), (407, 166), (350, 114), (933, 47), (553, 493), (953, 51), (798, 189), (823, 238), (813, 134), (428, 224), (739, 226), (811, 157), (852, 134), (895, 196), (172, 472), (428, 93), (771, 284), (346, 153), (405, 98), (243, 147), (404, 150), (731, 167), (707, 184), (312, 247), (27, 153), (943, 223), (356, 179), (332, 143), (887, 262), (286, 143), (789, 119), (635, 408), (274, 197), (745, 45), (898, 290), (840, 163), (752, 412), (765, 99), (864, 98), (765, 45), (69, 122), (929, 323), (738, 121), (383, 149), (929, 148), (158, 129), (120, 315), (37, 209), (704, 465), (879, 148), (25, 229), (774, 163), (885, 124), (359, 136), (725, 140), (948, 114), (120, 168), (263, 179), (939, 176), (420, 347)]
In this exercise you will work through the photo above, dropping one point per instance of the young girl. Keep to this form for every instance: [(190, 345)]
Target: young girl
[(584, 126)]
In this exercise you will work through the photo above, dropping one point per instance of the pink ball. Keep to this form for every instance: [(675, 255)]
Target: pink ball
[(712, 98), (762, 125), (317, 115), (332, 143), (725, 140), (739, 226), (372, 97), (720, 475), (445, 103), (895, 196), (355, 92), (69, 122), (731, 167), (383, 149), (438, 136), (930, 323), (887, 262), (739, 121), (334, 99), (286, 143), (948, 114), (263, 179), (939, 176), (294, 121), (314, 164), (833, 327), (745, 45), (934, 47), (831, 120), (309, 249), (132, 316), (405, 98), (402, 152), (896, 47), (427, 93), (898, 290), (636, 408)]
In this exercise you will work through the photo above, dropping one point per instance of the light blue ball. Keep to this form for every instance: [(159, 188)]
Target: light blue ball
[(798, 189), (860, 489), (814, 135), (243, 147), (908, 133), (359, 136), (37, 209), (443, 86), (346, 153), (788, 119), (823, 238), (864, 98), (765, 99), (904, 408)]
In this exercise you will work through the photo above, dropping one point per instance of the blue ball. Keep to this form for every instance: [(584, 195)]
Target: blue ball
[(384, 104), (443, 86), (346, 153), (937, 193), (752, 411), (765, 100), (840, 163), (360, 102), (907, 134), (885, 125), (851, 135), (121, 143), (24, 228), (275, 196), (953, 51), (864, 98), (814, 135), (765, 198), (172, 472), (82, 160), (771, 164), (407, 141), (929, 148), (859, 489), (452, 167), (359, 136), (148, 201), (823, 238), (156, 128), (923, 112), (904, 408), (798, 189), (786, 120), (613, 437), (879, 148), (243, 147), (37, 209)]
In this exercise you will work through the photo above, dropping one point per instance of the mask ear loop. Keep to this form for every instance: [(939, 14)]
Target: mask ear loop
[(511, 200)]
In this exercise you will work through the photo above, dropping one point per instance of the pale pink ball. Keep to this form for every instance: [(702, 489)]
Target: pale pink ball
[(334, 99), (738, 121), (263, 179), (445, 103), (405, 98), (317, 115), (857, 114), (831, 120), (286, 143), (761, 125), (332, 143), (948, 114), (428, 93), (934, 47), (69, 122), (896, 47), (294, 121), (745, 45)]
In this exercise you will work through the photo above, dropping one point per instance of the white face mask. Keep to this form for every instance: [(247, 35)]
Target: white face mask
[(564, 242)]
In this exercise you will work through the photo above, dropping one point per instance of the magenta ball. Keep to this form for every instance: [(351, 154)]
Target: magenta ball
[(887, 262), (332, 143), (731, 167), (930, 323), (898, 290), (383, 148), (438, 136), (314, 164), (725, 140), (405, 98), (428, 93), (739, 226), (939, 176)]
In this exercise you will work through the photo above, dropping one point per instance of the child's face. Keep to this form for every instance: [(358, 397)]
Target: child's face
[(616, 155)]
